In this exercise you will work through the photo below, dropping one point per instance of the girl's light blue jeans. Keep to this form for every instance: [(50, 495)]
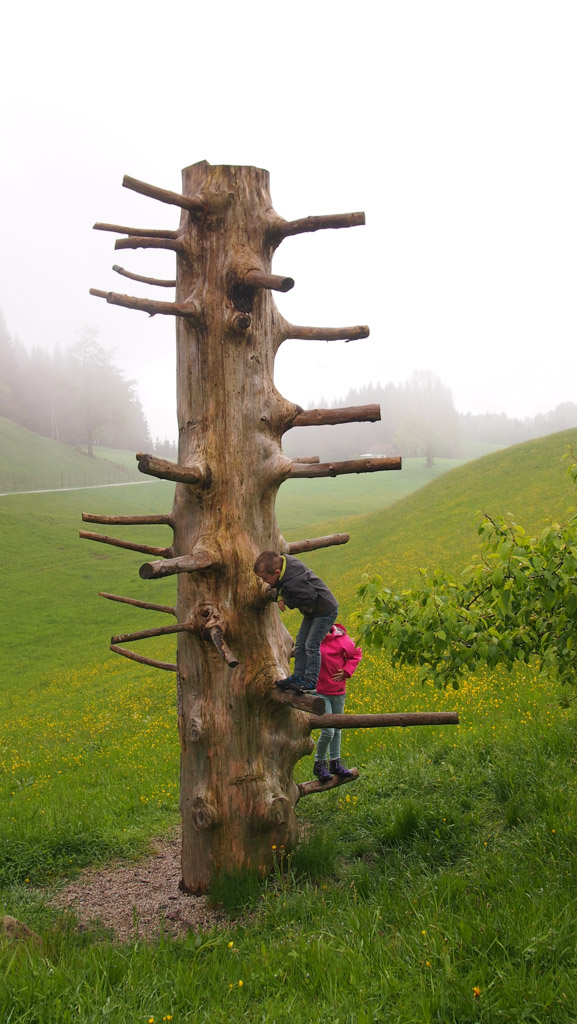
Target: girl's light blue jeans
[(334, 706)]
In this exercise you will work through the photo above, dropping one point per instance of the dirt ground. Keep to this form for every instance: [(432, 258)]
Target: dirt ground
[(140, 899)]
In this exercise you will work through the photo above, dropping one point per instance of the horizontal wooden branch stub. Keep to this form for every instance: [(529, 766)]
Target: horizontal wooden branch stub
[(196, 204), (150, 306), (300, 701), (297, 546), (166, 665), (330, 417), (146, 634), (149, 242), (118, 229), (217, 636), (314, 786), (160, 282), (166, 520), (307, 460), (327, 333), (274, 282), (145, 549), (342, 468), (166, 608), (319, 223), (151, 465), (173, 566), (401, 719)]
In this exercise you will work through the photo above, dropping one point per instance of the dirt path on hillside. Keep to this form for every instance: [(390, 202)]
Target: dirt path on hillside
[(81, 487)]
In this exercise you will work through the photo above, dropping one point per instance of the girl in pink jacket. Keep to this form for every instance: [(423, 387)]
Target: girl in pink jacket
[(339, 659)]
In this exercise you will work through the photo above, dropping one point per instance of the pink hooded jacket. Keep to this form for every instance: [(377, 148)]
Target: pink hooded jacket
[(338, 652)]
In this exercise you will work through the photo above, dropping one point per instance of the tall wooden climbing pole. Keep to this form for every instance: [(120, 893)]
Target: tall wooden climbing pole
[(240, 738)]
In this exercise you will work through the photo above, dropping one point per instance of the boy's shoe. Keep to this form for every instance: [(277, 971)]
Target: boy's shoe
[(321, 771), (285, 684), (336, 767), (302, 685), (295, 684)]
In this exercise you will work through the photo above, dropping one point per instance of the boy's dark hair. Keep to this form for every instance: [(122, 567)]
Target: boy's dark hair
[(268, 561)]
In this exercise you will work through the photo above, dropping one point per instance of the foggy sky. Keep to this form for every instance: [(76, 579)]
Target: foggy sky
[(451, 124)]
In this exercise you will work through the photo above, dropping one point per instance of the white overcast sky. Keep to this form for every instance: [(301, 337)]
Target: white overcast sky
[(451, 123)]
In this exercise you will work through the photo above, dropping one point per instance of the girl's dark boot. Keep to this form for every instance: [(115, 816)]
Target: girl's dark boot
[(336, 767), (321, 771)]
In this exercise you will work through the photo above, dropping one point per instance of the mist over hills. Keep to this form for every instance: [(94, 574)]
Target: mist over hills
[(75, 395), (30, 462), (418, 418), (78, 396)]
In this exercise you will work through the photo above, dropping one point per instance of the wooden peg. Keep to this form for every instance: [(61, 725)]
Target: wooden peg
[(196, 204), (150, 306), (136, 232), (283, 229), (160, 282), (330, 417), (297, 546), (145, 549), (342, 468), (173, 566), (167, 609), (327, 333), (151, 465), (167, 665)]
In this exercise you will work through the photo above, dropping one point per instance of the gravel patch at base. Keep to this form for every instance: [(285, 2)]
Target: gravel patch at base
[(140, 899)]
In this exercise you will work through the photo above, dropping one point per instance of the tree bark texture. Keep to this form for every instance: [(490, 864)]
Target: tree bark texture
[(238, 746)]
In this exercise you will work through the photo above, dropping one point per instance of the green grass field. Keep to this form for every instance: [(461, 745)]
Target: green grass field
[(440, 887)]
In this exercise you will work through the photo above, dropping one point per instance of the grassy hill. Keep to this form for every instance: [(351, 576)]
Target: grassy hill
[(440, 887), (53, 578), (303, 504), (436, 525), (29, 462)]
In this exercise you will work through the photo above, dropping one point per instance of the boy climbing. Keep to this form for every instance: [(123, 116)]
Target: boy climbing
[(296, 586)]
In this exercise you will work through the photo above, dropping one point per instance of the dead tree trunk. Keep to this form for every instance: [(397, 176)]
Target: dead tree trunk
[(238, 747), (239, 740)]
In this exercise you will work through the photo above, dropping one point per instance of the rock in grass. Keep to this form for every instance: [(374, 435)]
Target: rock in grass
[(17, 931)]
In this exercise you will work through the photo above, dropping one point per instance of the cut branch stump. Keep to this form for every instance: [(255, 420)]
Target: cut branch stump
[(314, 786), (387, 721)]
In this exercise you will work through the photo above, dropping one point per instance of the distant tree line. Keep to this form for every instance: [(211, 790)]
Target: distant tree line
[(166, 448), (419, 419), (75, 395)]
